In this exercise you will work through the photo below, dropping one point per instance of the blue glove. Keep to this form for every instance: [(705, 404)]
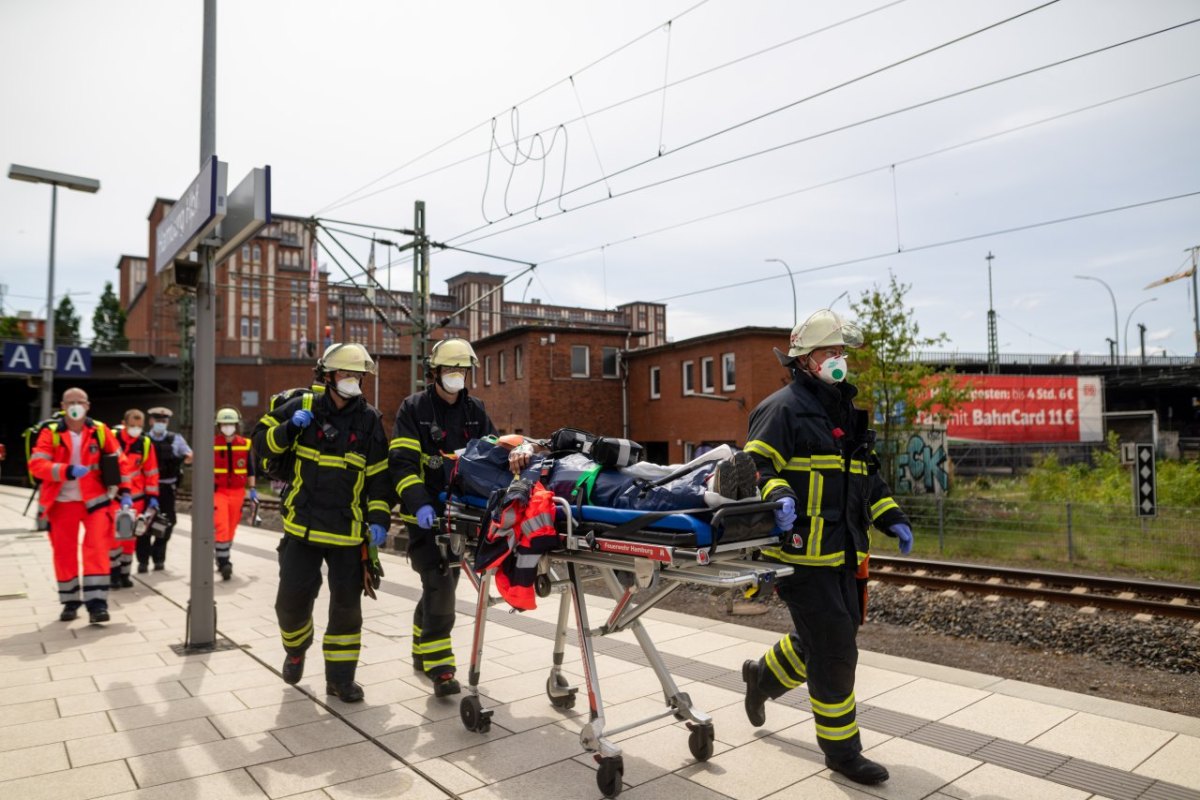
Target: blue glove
[(378, 534), (153, 503), (905, 535), (785, 515), (77, 472), (426, 516), (126, 501), (301, 418), (254, 494)]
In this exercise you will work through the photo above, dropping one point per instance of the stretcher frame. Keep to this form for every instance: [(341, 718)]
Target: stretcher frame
[(630, 570)]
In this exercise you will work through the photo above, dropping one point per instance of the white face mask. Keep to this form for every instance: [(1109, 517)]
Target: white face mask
[(833, 369), (133, 432), (77, 411), (454, 382), (229, 431), (349, 387), (158, 428)]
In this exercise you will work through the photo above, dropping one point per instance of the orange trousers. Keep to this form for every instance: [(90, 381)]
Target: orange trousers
[(89, 584), (227, 512)]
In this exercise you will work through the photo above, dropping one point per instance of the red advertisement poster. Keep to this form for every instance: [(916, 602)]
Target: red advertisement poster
[(1029, 408)]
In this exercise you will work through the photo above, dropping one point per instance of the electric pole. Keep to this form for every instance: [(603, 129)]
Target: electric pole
[(993, 339), (421, 310)]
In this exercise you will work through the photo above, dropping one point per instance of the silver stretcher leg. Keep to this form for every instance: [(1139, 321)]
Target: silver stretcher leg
[(592, 736), (470, 709), (558, 688)]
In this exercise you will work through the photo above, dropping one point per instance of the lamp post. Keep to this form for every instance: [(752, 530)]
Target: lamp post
[(839, 297), (1114, 304), (795, 319), (79, 184), (1128, 318)]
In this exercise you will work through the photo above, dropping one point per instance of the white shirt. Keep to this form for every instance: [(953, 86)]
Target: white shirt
[(70, 490)]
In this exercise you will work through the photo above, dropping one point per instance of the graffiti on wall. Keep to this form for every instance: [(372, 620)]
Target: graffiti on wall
[(923, 466)]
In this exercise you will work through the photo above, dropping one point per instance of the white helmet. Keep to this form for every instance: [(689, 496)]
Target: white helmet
[(228, 415), (346, 356), (823, 329), (453, 353)]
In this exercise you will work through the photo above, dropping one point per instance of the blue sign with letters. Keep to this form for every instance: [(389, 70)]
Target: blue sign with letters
[(26, 359)]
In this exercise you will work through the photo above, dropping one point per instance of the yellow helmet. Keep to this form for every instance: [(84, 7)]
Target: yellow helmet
[(823, 329), (453, 353), (228, 415), (346, 356)]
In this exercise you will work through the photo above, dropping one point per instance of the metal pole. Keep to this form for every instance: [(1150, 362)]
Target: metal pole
[(202, 617), (1116, 323), (941, 509), (1130, 317), (791, 280), (1070, 535), (48, 352), (1195, 304)]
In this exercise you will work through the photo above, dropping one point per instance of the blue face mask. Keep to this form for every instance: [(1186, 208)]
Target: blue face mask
[(158, 428)]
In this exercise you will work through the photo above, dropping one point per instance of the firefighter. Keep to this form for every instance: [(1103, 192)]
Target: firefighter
[(172, 452), (233, 476), (430, 426), (331, 446), (815, 458), (141, 470), (67, 461)]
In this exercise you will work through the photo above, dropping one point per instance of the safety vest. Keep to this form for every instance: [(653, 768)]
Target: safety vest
[(140, 467), (51, 458), (520, 532), (231, 462)]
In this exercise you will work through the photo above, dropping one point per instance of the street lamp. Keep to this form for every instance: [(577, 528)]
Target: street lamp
[(839, 297), (795, 318), (1127, 319), (55, 179), (1114, 302)]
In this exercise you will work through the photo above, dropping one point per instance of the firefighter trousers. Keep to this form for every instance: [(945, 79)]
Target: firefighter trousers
[(822, 652), (433, 617), (154, 548), (227, 512), (300, 582), (90, 584)]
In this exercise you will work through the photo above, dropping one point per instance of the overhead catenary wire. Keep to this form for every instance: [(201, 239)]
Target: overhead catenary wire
[(821, 134)]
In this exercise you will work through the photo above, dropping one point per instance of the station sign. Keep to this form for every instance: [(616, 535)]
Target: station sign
[(248, 211), (201, 207), (28, 359), (1028, 408)]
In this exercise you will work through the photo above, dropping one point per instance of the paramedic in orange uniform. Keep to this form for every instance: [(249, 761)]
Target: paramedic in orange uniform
[(66, 459), (233, 475), (141, 470)]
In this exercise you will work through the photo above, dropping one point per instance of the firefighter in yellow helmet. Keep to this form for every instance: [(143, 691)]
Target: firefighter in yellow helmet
[(815, 458), (329, 445), (233, 479), (430, 426)]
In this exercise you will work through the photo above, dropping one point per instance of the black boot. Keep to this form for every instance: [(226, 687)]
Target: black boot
[(69, 612), (143, 567), (96, 616), (226, 571), (293, 669), (126, 582), (756, 699), (114, 579), (859, 769), (445, 685), (347, 691)]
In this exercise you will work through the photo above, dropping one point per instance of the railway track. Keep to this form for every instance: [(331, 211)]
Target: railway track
[(1116, 594)]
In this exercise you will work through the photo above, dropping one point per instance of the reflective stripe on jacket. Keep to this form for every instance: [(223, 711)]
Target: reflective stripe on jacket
[(232, 465), (519, 534), (51, 459), (140, 467)]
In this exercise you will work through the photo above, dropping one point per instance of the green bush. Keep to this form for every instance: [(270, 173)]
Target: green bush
[(1110, 482)]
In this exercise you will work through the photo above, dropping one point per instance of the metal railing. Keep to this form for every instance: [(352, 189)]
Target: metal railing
[(1100, 539), (1051, 359)]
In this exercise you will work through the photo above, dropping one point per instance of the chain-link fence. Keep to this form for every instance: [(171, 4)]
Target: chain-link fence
[(1073, 536)]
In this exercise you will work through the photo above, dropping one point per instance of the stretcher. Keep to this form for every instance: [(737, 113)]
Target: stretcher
[(642, 557)]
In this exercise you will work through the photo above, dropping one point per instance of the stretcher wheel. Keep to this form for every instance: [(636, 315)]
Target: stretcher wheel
[(560, 700), (541, 585), (608, 776), (700, 742), (474, 718), (685, 700)]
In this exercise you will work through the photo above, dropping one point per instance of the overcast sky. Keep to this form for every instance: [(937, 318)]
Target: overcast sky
[(820, 133)]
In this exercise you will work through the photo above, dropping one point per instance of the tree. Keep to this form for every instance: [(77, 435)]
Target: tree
[(10, 328), (66, 322), (890, 379), (108, 323)]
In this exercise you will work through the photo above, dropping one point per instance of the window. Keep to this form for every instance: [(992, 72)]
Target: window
[(611, 359), (245, 252), (245, 327), (689, 377), (519, 362), (503, 365), (256, 254), (579, 361), (487, 370), (707, 379), (655, 383), (728, 372)]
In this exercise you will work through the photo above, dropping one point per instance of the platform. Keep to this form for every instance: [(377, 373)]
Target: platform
[(113, 711)]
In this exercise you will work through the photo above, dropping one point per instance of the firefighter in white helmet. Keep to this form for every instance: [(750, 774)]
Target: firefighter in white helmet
[(815, 457), (233, 479), (430, 426), (331, 447)]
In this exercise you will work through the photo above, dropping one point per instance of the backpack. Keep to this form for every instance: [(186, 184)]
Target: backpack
[(30, 437), (281, 468), (606, 451)]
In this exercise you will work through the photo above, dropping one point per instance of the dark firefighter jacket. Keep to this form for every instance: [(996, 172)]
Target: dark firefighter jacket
[(810, 443), (336, 467), (427, 432)]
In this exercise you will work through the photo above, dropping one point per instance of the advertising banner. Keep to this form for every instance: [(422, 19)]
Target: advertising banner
[(1029, 408)]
